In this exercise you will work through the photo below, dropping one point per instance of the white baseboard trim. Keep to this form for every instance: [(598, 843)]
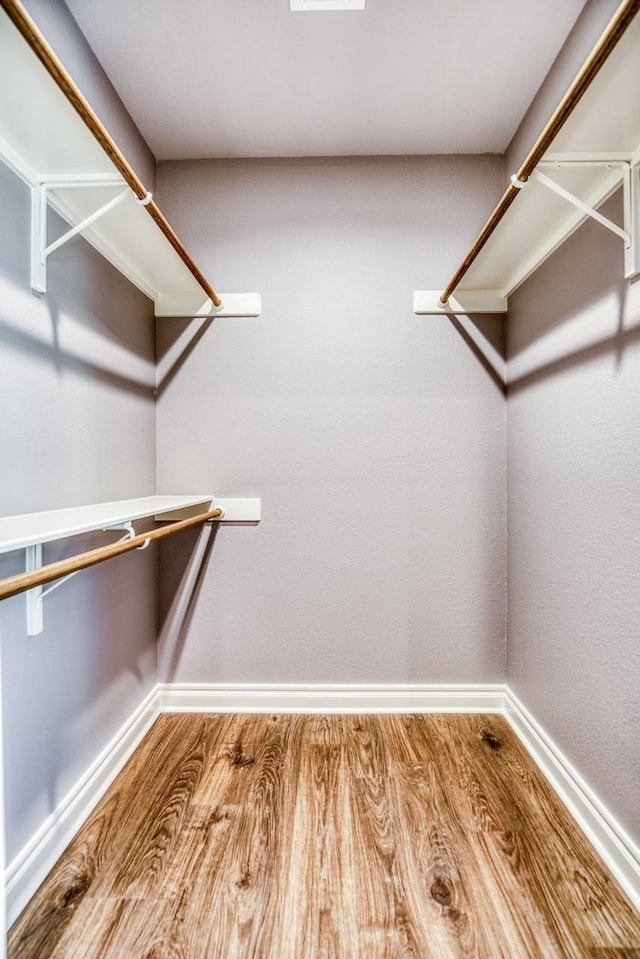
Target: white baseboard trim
[(329, 698), (35, 860), (602, 830)]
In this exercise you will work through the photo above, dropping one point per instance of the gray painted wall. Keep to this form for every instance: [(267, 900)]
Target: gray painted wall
[(574, 510), (375, 437), (77, 424)]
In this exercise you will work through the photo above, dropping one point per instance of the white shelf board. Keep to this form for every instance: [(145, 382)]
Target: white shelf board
[(29, 529), (42, 138), (129, 239), (233, 304), (534, 226), (605, 125), (467, 301)]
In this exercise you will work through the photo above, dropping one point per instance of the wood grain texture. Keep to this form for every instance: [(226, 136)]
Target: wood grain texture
[(329, 837)]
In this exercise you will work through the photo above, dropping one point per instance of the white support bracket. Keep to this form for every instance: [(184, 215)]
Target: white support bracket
[(35, 597), (631, 201), (35, 618), (193, 305), (429, 302), (632, 220), (39, 206)]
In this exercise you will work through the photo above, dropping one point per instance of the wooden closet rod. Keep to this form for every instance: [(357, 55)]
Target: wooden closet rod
[(613, 32), (55, 68), (46, 574)]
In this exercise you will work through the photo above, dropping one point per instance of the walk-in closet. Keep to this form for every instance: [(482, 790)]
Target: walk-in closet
[(319, 479)]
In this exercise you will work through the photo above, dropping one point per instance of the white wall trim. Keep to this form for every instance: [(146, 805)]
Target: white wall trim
[(602, 830), (36, 859), (329, 698)]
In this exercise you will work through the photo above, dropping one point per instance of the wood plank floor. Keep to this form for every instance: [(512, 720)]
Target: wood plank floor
[(295, 837)]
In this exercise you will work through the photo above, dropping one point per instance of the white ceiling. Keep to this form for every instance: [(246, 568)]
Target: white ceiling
[(220, 78)]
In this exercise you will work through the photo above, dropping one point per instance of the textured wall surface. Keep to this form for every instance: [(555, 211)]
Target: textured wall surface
[(375, 437), (77, 426), (62, 32), (579, 44), (574, 510)]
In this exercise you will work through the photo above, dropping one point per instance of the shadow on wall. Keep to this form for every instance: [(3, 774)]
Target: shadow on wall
[(110, 342), (614, 344), (175, 342), (91, 322), (182, 565), (585, 309), (485, 335), (53, 355)]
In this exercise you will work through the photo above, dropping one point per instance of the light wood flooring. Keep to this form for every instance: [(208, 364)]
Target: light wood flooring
[(295, 837)]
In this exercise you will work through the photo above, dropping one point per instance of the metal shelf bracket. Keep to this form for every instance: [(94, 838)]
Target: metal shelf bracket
[(632, 221), (39, 206), (630, 233), (35, 597)]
